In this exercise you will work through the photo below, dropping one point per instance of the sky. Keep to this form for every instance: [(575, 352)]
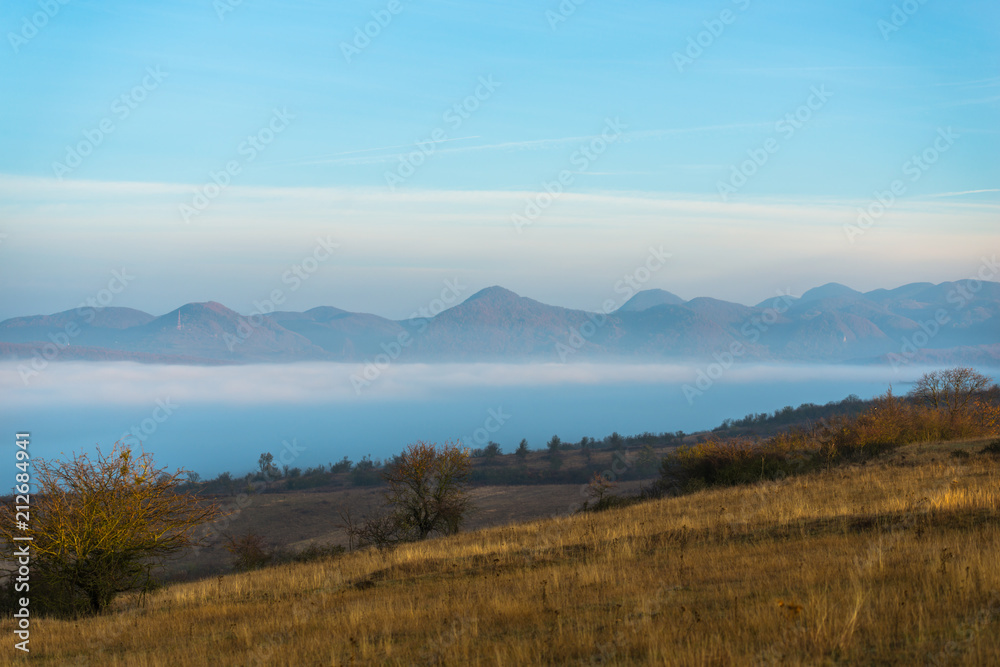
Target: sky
[(375, 155)]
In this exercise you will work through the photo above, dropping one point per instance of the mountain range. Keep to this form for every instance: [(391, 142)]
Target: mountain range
[(949, 322)]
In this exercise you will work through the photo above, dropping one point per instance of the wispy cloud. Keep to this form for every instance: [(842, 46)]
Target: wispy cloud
[(975, 83), (519, 145), (663, 169), (19, 193), (970, 102), (964, 192), (334, 158)]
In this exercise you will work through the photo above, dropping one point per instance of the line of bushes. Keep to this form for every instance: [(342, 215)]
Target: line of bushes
[(889, 422)]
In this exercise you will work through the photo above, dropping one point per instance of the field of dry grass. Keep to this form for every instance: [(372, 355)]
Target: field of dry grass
[(892, 562), (297, 520)]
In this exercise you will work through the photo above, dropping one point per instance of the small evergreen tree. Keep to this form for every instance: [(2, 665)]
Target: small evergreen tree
[(616, 441), (522, 452), (491, 452), (343, 465), (554, 455)]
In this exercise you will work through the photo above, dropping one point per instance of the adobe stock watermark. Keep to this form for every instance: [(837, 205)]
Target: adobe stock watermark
[(121, 108), (959, 296), (913, 168), (249, 149), (456, 114), (85, 314), (32, 25), (704, 39), (751, 331), (21, 557), (136, 434), (562, 12), (450, 294), (582, 158), (294, 277), (626, 288), (899, 17), (786, 127), (363, 35), (373, 368), (223, 7), (495, 420)]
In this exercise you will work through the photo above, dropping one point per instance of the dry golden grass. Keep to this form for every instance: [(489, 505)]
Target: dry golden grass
[(299, 519), (895, 562)]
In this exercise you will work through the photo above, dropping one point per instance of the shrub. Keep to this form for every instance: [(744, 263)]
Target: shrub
[(889, 422), (315, 552), (647, 461), (729, 462), (343, 465), (253, 552), (382, 530), (992, 449), (100, 527), (365, 473), (309, 482), (250, 552)]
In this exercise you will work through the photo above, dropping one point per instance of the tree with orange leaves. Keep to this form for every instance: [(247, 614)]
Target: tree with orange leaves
[(427, 488), (99, 527)]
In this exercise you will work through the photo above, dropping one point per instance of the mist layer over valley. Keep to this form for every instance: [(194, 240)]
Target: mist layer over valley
[(214, 419)]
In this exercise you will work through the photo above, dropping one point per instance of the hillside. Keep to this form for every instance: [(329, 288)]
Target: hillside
[(889, 562)]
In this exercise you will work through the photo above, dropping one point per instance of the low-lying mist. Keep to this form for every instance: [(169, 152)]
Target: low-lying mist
[(211, 419)]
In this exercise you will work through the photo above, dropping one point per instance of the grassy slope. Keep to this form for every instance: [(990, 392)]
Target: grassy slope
[(895, 562), (296, 519)]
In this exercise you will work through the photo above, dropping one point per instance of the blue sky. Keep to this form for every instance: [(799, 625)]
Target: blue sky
[(313, 128)]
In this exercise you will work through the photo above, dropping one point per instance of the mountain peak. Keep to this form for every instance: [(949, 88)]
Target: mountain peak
[(650, 298), (836, 323), (325, 313), (829, 291), (202, 306), (494, 293)]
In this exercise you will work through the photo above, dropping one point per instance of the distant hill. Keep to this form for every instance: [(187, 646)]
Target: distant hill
[(919, 322), (339, 333), (99, 328), (830, 291), (496, 324), (649, 298)]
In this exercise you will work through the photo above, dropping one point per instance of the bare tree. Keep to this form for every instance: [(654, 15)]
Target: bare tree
[(950, 390), (350, 526)]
